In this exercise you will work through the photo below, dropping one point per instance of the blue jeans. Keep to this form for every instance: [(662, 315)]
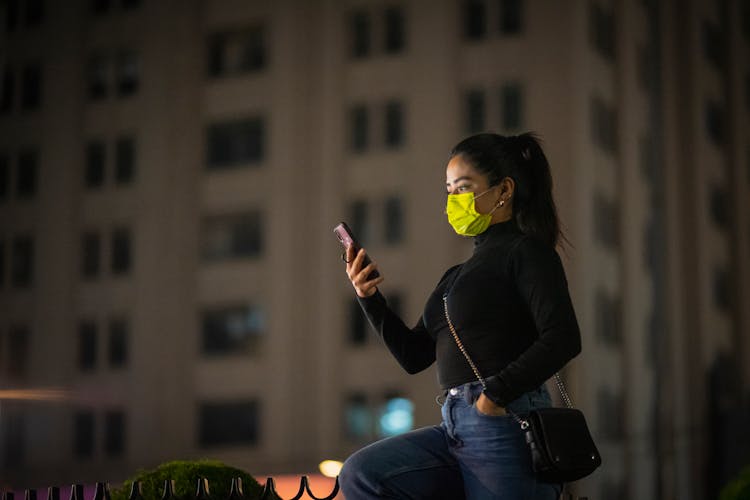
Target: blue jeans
[(469, 455)]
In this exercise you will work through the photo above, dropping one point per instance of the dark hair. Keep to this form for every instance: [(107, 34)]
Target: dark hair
[(521, 158)]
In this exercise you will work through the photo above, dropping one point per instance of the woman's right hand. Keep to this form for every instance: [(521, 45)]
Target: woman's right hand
[(358, 275)]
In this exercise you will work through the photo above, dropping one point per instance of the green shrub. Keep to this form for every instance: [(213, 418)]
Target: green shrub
[(185, 475), (738, 489)]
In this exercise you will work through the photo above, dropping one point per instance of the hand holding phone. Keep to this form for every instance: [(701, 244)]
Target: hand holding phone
[(361, 270)]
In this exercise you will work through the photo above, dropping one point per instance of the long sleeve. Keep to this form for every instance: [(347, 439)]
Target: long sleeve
[(413, 348), (541, 283)]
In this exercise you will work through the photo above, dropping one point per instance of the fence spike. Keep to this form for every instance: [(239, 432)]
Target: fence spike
[(269, 490), (136, 492), (168, 493), (53, 493), (310, 493), (30, 495), (201, 492), (235, 491), (76, 492)]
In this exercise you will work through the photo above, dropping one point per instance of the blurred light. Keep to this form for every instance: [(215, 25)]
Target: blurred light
[(34, 394), (397, 417), (330, 468)]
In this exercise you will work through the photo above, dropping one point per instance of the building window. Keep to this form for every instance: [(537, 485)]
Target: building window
[(358, 419), (611, 411), (34, 13), (11, 14), (608, 319), (83, 434), (357, 324), (95, 161), (233, 330), (475, 119), (607, 222), (713, 44), (235, 143), (360, 221), (602, 30), (604, 128), (4, 176), (474, 19), (394, 220), (238, 52), (13, 430), (394, 124), (2, 279), (722, 290), (714, 116), (512, 106), (719, 205), (117, 350), (130, 4), (128, 73), (396, 417), (98, 76), (745, 15), (395, 31), (359, 126), (90, 254), (100, 6), (121, 251), (114, 433), (6, 96), (18, 351), (511, 16), (87, 346), (228, 423), (124, 160), (22, 264), (359, 29), (232, 236), (26, 180), (31, 88)]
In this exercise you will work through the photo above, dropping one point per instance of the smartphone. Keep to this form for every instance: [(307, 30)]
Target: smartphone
[(347, 239)]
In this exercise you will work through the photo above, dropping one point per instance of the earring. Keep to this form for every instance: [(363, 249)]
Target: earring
[(502, 202)]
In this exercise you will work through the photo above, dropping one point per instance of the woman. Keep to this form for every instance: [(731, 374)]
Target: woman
[(510, 306)]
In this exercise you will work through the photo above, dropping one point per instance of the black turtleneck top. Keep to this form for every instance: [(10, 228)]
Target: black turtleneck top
[(511, 308)]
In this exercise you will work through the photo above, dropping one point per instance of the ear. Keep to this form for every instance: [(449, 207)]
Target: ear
[(507, 188)]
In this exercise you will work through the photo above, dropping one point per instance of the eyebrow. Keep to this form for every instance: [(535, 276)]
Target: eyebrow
[(462, 178)]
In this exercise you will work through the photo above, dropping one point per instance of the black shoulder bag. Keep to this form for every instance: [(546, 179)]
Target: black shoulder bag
[(562, 449)]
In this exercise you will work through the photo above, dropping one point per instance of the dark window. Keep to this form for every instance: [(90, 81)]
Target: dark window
[(130, 4), (34, 12), (359, 25), (358, 418), (235, 143), (90, 254), (4, 176), (745, 14), (359, 128), (722, 289), (100, 6), (475, 119), (475, 19), (233, 330), (360, 222), (121, 251), (512, 107), (22, 264), (95, 164), (83, 434), (12, 10), (715, 129), (6, 96), (13, 430), (128, 73), (31, 87), (747, 92), (87, 346), (394, 30), (602, 30), (2, 279), (604, 130), (394, 124), (232, 236), (607, 222), (125, 160), (611, 409), (114, 433), (394, 220), (719, 205), (396, 416), (18, 351), (238, 52), (608, 319), (98, 76), (713, 44), (26, 180), (511, 16), (357, 324), (229, 423), (117, 351)]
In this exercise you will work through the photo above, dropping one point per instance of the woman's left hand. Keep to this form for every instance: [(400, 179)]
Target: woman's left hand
[(487, 407)]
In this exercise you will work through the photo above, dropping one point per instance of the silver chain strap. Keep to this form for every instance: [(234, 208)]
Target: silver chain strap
[(523, 423)]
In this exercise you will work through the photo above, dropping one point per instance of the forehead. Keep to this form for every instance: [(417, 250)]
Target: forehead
[(458, 168)]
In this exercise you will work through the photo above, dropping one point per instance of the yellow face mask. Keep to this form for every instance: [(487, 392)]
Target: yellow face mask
[(463, 216)]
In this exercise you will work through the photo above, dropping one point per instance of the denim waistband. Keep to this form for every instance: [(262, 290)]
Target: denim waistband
[(537, 398)]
